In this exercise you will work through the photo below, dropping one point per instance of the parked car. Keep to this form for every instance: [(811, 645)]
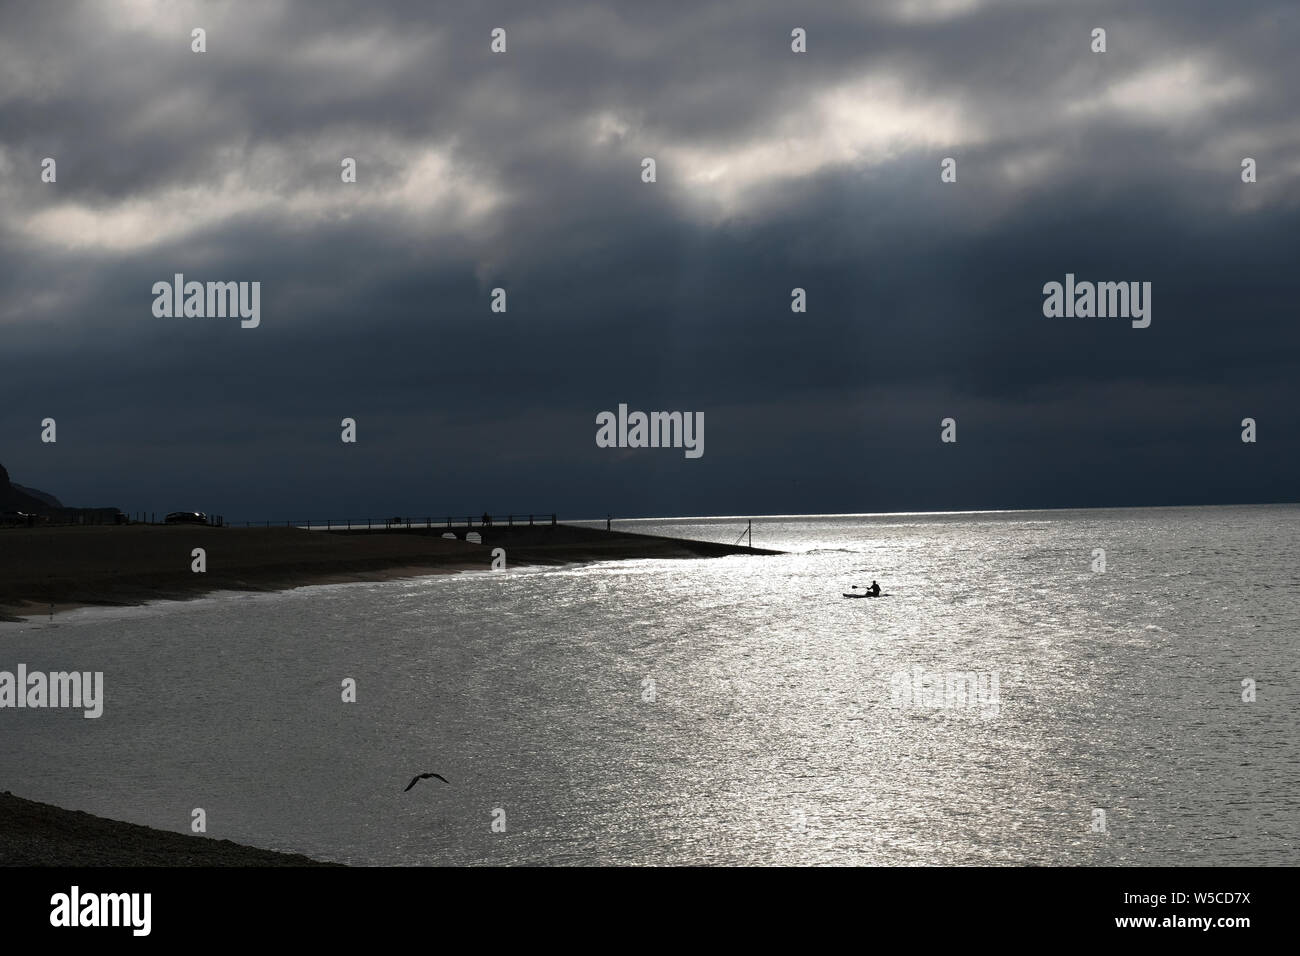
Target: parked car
[(186, 517)]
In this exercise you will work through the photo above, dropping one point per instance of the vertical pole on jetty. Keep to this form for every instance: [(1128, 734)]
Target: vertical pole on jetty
[(608, 518)]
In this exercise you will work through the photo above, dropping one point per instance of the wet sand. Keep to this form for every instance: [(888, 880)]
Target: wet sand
[(59, 568)]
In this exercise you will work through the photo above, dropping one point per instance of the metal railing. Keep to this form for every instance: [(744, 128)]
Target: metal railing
[(68, 517), (430, 523), (330, 524)]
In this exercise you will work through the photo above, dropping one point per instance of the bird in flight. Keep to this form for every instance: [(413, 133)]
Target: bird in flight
[(425, 776)]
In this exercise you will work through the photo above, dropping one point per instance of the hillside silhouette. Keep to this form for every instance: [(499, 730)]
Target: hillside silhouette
[(19, 498)]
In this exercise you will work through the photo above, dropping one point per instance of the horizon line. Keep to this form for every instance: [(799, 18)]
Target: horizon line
[(918, 514)]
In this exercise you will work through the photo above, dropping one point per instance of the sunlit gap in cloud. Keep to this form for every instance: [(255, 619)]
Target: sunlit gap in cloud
[(867, 122), (930, 11), (170, 19), (1185, 90), (434, 192)]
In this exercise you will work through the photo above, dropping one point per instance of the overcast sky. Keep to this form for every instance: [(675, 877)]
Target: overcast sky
[(775, 170)]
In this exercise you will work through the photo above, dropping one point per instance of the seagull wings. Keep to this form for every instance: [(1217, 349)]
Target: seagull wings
[(425, 776)]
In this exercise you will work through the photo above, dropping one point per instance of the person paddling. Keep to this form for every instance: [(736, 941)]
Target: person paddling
[(875, 589)]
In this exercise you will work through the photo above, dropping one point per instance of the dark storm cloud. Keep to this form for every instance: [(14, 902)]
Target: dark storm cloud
[(775, 171)]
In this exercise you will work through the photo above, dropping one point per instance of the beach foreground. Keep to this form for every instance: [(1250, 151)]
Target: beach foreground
[(55, 568), (38, 834)]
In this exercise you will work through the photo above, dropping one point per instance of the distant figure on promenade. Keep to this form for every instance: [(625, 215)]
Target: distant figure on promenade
[(487, 520)]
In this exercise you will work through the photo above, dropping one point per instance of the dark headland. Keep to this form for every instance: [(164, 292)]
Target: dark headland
[(37, 834), (76, 565)]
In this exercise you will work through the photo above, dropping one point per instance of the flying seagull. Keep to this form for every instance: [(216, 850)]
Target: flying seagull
[(425, 776)]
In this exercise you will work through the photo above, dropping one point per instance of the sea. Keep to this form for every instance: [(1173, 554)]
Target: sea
[(1090, 687)]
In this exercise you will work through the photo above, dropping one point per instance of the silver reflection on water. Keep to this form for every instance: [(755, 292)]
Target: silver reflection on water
[(733, 711)]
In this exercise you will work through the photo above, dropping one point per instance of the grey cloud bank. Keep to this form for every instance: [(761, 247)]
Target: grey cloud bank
[(775, 170)]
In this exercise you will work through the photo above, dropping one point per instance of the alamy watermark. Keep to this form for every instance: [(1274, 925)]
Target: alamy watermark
[(76, 909), (1102, 300), (213, 300), (35, 689), (952, 690), (654, 430)]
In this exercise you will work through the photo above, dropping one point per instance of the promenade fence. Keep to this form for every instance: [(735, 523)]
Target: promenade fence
[(427, 522)]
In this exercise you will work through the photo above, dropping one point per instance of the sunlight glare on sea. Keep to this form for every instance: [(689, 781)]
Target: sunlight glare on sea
[(734, 710)]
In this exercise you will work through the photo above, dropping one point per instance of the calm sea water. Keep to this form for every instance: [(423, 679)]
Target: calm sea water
[(733, 710)]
